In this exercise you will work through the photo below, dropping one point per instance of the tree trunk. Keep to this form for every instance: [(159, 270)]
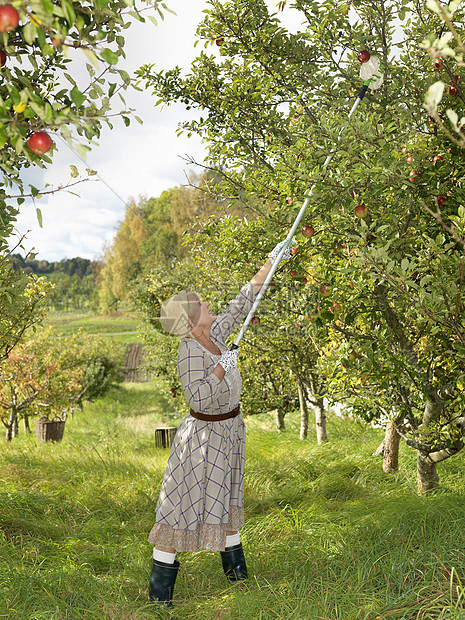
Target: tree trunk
[(427, 476), (320, 420), (27, 428), (391, 449), (280, 420), (12, 427), (303, 411)]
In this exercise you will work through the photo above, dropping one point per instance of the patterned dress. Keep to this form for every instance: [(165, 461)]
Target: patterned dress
[(202, 494)]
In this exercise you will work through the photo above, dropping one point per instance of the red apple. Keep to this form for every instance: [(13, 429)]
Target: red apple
[(40, 142), (437, 158), (360, 211), (293, 272), (437, 63), (413, 175), (364, 56), (308, 231), (441, 200), (453, 91), (324, 290), (409, 159), (2, 58), (9, 18), (219, 41), (255, 320), (404, 149)]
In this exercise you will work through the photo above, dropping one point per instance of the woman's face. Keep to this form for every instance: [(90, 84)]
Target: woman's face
[(202, 316)]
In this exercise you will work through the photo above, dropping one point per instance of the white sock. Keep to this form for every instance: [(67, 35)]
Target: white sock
[(163, 556), (232, 541)]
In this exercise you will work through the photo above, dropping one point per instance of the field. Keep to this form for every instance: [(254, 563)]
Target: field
[(122, 326), (328, 536)]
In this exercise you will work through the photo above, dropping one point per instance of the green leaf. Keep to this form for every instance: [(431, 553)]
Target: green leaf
[(108, 56), (92, 57), (39, 216), (127, 121), (68, 11), (3, 135), (74, 171), (77, 97)]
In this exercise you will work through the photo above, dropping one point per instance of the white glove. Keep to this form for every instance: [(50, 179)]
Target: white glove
[(275, 251), (229, 359)]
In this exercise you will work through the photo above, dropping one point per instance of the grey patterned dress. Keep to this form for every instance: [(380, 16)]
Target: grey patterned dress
[(202, 494)]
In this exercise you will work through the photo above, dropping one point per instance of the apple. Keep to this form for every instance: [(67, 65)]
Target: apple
[(437, 158), (364, 56), (437, 63), (404, 149), (409, 159), (219, 41), (413, 175), (308, 231), (293, 273), (255, 320), (324, 290), (271, 286), (360, 211), (289, 201), (337, 310), (2, 58), (441, 200), (40, 142), (9, 18), (453, 91), (173, 395)]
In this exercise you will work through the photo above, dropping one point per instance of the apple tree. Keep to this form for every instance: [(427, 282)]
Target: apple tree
[(385, 279)]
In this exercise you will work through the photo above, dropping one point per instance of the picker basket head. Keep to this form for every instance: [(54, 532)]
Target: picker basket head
[(371, 73)]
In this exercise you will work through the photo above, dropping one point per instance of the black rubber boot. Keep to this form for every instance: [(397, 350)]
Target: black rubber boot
[(162, 581), (234, 565)]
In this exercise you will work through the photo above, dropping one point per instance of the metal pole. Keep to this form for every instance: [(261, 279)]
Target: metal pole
[(297, 220)]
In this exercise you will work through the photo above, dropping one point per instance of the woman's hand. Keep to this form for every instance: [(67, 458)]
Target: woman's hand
[(229, 360)]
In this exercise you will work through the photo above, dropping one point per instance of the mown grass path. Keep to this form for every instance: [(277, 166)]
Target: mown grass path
[(328, 536)]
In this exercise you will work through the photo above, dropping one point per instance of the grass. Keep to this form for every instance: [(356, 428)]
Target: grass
[(328, 536), (123, 326)]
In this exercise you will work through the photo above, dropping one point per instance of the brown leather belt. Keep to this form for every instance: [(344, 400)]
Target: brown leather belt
[(205, 417)]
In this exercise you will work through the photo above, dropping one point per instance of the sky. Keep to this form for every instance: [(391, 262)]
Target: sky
[(140, 160)]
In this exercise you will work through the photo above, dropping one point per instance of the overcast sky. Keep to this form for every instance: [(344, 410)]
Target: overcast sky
[(130, 161)]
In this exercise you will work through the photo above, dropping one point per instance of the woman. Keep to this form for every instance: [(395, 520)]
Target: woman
[(201, 503)]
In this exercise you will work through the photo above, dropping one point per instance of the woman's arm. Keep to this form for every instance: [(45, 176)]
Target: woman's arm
[(259, 278)]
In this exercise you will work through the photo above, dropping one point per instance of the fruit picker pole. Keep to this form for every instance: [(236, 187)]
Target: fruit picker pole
[(377, 78)]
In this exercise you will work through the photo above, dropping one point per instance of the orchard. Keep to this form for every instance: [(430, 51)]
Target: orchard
[(272, 104)]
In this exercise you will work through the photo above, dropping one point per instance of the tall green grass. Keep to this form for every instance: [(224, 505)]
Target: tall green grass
[(122, 326), (328, 536)]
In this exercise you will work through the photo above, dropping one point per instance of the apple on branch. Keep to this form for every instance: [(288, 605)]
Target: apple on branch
[(40, 142), (364, 56), (255, 320), (360, 211), (308, 231), (9, 18)]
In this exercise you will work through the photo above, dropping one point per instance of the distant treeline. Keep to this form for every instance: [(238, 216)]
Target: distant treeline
[(78, 266)]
